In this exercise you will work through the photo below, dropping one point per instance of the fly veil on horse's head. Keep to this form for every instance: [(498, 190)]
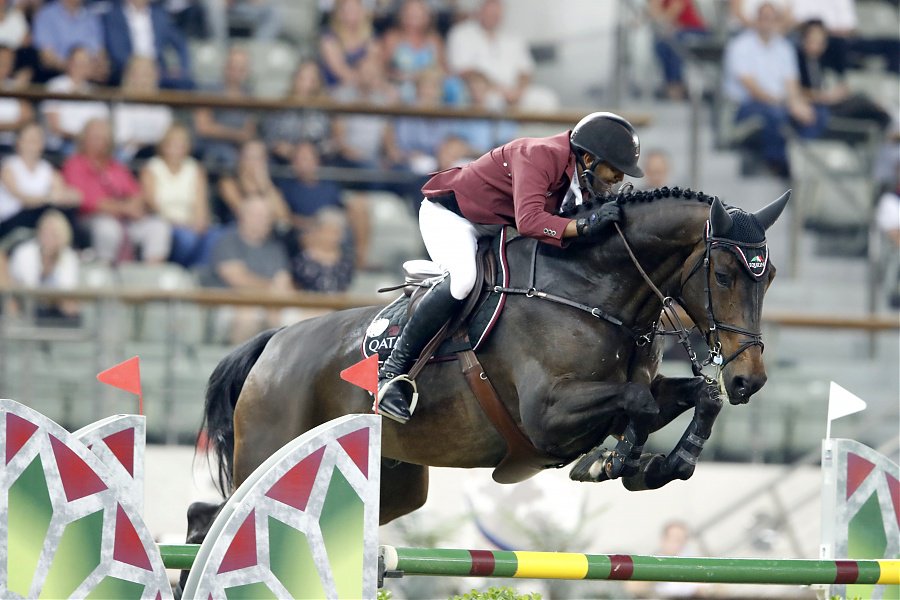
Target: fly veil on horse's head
[(722, 289)]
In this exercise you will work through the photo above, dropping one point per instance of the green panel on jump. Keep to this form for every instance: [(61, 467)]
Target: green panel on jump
[(866, 539), (599, 567), (77, 555), (252, 591), (113, 588), (28, 516), (505, 563), (291, 561), (342, 523)]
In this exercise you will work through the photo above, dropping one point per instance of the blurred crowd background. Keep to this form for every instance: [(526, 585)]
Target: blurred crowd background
[(131, 185)]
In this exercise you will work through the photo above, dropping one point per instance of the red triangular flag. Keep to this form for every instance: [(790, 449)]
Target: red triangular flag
[(363, 374), (125, 376)]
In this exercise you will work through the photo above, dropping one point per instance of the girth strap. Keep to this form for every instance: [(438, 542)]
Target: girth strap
[(522, 459)]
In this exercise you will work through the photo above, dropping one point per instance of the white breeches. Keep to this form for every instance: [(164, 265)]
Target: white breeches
[(452, 242)]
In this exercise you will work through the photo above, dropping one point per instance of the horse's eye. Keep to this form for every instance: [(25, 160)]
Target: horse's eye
[(723, 279)]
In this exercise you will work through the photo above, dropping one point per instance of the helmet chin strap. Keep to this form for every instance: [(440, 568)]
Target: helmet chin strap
[(588, 179)]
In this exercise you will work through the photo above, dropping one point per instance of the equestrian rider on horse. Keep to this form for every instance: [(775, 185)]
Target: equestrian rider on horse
[(522, 183)]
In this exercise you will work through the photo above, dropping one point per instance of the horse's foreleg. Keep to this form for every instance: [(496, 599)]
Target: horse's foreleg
[(657, 471), (579, 402)]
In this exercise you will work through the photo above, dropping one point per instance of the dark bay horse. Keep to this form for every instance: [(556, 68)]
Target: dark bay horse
[(569, 378)]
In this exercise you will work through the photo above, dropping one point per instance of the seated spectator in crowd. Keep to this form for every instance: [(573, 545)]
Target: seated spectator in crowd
[(284, 129), (263, 16), (29, 185), (143, 28), (66, 118), (360, 139), (13, 112), (840, 101), (480, 44), (484, 134), (344, 44), (413, 141), (251, 178), (325, 260), (59, 27), (887, 219), (175, 187), (306, 195), (14, 35), (455, 151), (48, 261), (113, 207), (657, 170), (675, 24), (413, 46), (223, 130), (761, 76), (139, 127), (247, 256)]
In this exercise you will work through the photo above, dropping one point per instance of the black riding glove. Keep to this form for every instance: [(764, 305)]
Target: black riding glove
[(598, 219)]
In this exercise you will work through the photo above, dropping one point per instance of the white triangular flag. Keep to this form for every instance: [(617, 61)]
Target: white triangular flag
[(841, 403)]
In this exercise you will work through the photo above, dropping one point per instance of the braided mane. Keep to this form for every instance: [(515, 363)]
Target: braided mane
[(634, 197)]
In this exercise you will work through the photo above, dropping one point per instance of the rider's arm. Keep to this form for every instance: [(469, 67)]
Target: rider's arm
[(532, 178)]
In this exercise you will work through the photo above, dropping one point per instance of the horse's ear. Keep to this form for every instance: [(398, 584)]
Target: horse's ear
[(769, 214), (719, 219)]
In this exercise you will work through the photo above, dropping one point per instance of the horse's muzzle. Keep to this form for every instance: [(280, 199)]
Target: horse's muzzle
[(741, 387)]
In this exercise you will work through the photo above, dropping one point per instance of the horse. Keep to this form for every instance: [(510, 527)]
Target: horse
[(571, 373)]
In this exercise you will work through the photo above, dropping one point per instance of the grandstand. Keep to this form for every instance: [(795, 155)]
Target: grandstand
[(370, 134)]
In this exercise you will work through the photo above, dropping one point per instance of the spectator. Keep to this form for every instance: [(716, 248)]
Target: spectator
[(66, 118), (14, 36), (761, 76), (675, 540), (325, 260), (344, 44), (223, 130), (360, 139), (29, 185), (887, 220), (247, 256), (175, 187), (113, 206), (48, 261), (412, 47), (676, 23), (252, 178), (283, 130), (480, 44), (13, 112), (59, 28), (141, 28), (485, 134), (455, 152), (413, 141), (840, 101), (262, 15), (139, 127), (306, 194), (657, 169)]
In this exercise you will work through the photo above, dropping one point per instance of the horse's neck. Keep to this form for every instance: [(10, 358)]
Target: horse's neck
[(605, 275)]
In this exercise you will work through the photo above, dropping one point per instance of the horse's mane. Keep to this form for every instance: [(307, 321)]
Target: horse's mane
[(637, 197)]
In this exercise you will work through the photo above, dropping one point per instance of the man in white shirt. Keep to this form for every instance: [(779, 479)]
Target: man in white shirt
[(480, 45), (761, 77)]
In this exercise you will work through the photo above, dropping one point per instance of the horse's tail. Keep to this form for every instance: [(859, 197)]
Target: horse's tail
[(222, 393)]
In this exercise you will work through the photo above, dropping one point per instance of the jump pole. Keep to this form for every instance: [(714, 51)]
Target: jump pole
[(399, 562)]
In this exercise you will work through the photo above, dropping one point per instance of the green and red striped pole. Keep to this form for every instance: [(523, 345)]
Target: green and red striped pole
[(567, 565)]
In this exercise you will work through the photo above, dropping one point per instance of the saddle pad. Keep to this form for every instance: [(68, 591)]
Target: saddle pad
[(385, 328)]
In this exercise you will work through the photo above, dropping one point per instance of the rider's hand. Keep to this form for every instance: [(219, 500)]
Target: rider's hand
[(598, 219)]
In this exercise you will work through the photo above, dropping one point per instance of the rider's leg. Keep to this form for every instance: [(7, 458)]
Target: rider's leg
[(452, 243)]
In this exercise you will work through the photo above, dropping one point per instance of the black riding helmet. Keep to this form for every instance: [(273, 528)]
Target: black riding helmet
[(611, 139)]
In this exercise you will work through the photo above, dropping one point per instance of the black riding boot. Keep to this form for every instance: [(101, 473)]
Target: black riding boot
[(434, 309)]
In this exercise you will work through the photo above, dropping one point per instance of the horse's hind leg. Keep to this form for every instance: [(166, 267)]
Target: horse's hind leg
[(200, 517), (656, 470), (404, 488)]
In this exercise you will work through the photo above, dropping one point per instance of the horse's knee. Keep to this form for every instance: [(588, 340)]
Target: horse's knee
[(639, 403)]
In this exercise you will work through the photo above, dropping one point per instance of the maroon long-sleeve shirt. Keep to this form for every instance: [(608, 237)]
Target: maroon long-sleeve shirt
[(522, 183)]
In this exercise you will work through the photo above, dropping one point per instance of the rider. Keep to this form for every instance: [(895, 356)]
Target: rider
[(522, 183)]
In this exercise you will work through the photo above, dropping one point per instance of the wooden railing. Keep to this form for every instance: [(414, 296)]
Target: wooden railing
[(190, 100)]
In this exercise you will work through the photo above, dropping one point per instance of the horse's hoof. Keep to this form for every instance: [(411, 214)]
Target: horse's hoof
[(592, 466), (647, 477)]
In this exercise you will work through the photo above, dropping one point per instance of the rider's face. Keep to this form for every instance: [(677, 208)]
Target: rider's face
[(605, 175)]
